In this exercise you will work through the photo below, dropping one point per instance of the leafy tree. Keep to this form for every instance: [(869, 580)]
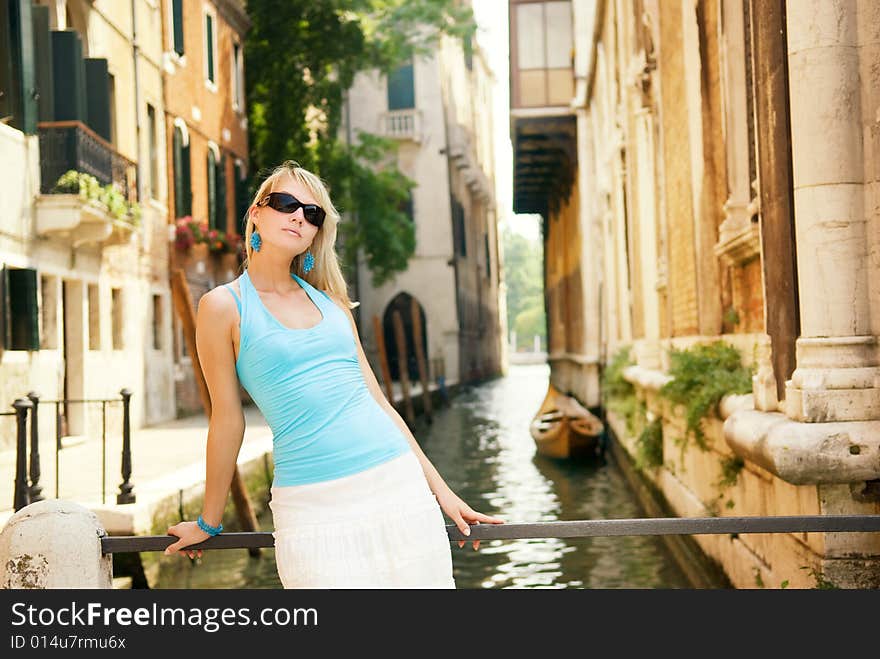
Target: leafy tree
[(301, 57), (524, 277)]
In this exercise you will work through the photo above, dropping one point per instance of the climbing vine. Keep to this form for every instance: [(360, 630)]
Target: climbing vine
[(701, 377)]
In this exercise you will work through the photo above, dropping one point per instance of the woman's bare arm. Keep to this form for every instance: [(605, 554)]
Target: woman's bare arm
[(216, 312), (226, 426)]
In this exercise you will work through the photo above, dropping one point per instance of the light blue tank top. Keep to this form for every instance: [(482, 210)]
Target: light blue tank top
[(309, 386)]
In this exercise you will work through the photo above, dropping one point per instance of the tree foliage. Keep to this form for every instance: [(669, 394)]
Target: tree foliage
[(301, 57), (524, 278)]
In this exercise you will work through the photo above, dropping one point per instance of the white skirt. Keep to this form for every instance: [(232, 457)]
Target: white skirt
[(379, 528)]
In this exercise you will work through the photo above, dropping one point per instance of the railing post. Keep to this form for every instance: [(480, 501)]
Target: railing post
[(126, 495), (21, 498), (35, 489)]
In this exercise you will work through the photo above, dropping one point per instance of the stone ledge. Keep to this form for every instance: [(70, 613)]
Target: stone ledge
[(806, 453)]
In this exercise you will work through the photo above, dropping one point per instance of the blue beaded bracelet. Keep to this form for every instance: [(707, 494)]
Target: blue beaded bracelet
[(207, 528)]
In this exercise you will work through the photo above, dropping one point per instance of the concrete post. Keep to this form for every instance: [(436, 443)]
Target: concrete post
[(837, 376), (54, 544)]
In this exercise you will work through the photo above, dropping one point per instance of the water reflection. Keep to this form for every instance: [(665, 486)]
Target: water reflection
[(482, 448)]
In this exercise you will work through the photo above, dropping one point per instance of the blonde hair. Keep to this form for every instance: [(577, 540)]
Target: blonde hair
[(326, 273)]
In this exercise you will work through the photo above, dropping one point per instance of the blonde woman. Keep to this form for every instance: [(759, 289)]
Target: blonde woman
[(355, 502)]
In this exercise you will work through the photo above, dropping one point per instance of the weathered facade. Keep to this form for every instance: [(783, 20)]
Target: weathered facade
[(86, 305), (207, 148), (439, 108), (721, 184)]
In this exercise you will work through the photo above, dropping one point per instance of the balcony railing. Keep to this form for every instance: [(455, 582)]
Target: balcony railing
[(402, 124), (66, 145)]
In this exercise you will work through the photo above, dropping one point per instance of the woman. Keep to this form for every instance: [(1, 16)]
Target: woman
[(355, 502)]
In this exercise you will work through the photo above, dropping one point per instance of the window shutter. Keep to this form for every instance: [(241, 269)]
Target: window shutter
[(177, 18), (209, 44), (19, 82), (43, 63), (69, 76), (222, 220), (22, 295), (98, 96), (212, 190), (186, 175), (5, 323), (401, 88), (177, 163)]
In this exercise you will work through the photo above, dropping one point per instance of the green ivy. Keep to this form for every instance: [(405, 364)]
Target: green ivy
[(619, 394), (730, 468), (649, 445), (701, 377), (90, 189)]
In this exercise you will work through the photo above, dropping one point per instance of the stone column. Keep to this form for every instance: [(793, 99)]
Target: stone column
[(54, 544), (837, 376)]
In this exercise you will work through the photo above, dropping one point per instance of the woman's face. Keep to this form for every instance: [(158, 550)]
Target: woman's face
[(286, 231)]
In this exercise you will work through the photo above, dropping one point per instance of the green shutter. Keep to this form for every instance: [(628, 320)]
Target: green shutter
[(43, 63), (242, 199), (222, 220), (98, 96), (19, 83), (6, 78), (22, 294), (401, 88), (68, 76), (212, 190), (177, 164), (209, 42), (177, 18), (186, 175)]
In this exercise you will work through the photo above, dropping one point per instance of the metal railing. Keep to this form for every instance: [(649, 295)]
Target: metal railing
[(66, 145), (566, 529), (28, 462)]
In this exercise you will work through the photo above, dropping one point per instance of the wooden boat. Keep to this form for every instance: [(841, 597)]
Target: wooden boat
[(563, 428)]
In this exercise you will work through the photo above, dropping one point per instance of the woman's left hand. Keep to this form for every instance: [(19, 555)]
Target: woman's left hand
[(463, 515)]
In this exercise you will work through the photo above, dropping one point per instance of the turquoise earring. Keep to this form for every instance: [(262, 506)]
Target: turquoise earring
[(308, 262), (256, 241)]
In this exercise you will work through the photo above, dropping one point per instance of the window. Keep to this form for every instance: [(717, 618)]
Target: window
[(157, 322), (154, 151), (177, 26), (216, 188), (116, 301), (94, 317), (49, 309), (406, 206), (242, 199), (210, 48), (401, 88), (458, 228), (237, 78), (543, 53), (20, 321), (182, 182), (212, 190), (488, 262)]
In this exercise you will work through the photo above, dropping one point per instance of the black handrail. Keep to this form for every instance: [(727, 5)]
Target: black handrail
[(564, 529)]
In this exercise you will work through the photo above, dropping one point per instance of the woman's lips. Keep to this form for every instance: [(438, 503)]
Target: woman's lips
[(294, 232)]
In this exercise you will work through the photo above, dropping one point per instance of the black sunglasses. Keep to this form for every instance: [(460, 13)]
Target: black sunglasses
[(284, 202)]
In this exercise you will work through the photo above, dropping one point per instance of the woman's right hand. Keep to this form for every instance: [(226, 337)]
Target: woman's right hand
[(189, 534)]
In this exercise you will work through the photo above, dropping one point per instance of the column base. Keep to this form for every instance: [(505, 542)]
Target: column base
[(837, 379)]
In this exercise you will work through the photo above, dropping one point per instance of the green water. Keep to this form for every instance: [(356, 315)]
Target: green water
[(482, 448)]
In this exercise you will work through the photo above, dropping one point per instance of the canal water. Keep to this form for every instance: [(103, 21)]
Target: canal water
[(482, 448)]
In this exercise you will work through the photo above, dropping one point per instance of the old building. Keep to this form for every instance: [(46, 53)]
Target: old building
[(708, 171), (438, 108), (206, 121), (86, 305)]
